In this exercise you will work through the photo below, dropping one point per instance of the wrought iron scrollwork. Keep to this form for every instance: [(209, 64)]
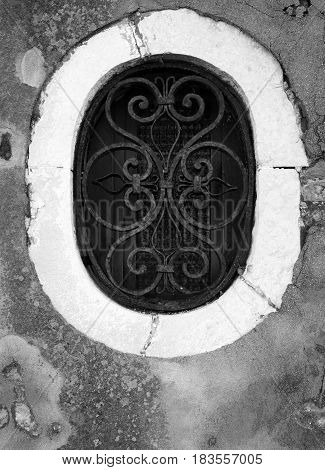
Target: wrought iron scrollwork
[(168, 181)]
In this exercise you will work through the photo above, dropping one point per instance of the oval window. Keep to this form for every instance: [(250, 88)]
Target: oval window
[(164, 186)]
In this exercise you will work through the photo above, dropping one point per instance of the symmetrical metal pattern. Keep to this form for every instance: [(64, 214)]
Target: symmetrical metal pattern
[(164, 187)]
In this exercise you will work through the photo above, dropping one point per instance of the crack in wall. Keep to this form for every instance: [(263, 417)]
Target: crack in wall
[(257, 9), (298, 105), (42, 167), (152, 334), (258, 291), (139, 39), (321, 393)]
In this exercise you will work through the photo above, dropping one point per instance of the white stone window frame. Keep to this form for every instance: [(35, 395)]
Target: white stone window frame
[(279, 154)]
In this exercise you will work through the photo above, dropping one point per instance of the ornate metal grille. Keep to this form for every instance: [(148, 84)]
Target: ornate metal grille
[(164, 186)]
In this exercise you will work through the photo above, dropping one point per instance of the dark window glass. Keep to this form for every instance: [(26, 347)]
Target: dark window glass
[(164, 186)]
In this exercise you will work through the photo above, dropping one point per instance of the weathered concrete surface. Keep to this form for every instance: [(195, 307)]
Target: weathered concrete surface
[(250, 394), (29, 392)]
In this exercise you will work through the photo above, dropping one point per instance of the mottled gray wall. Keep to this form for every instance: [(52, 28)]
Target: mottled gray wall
[(250, 394)]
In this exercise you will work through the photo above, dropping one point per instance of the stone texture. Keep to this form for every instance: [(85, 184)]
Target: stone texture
[(24, 419), (311, 416), (12, 372), (4, 416), (313, 194), (29, 388), (314, 191), (314, 172)]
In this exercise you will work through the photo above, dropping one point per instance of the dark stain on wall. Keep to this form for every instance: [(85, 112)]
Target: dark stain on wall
[(5, 146), (298, 9)]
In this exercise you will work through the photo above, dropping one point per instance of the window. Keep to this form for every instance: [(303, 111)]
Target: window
[(69, 109), (164, 186)]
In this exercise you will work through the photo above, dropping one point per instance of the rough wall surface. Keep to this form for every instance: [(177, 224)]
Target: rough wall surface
[(265, 390)]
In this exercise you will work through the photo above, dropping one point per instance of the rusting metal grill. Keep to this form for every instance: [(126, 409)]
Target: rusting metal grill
[(164, 186)]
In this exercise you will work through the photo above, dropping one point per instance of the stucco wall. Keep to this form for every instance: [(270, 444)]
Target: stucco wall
[(247, 395)]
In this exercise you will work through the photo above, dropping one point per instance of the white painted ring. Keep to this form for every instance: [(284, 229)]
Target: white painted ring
[(276, 240)]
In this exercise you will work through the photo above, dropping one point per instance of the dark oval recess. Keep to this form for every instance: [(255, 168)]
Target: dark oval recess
[(164, 186)]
